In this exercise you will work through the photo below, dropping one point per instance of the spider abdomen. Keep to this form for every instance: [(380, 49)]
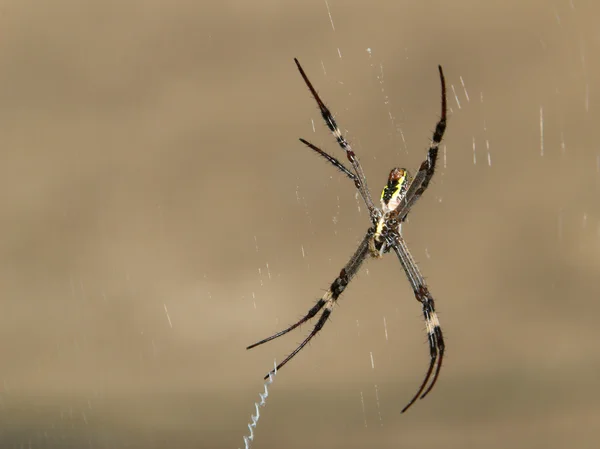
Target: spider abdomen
[(395, 189)]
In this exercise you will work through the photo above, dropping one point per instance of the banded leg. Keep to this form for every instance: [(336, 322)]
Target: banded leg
[(337, 164), (327, 301), (434, 331), (360, 181), (427, 168)]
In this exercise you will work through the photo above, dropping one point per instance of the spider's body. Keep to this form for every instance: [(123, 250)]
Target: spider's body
[(391, 196), (395, 189), (397, 198)]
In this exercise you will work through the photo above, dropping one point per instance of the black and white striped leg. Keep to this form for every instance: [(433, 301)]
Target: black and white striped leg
[(327, 301), (427, 168), (337, 164), (361, 180), (432, 324), (434, 332), (436, 346)]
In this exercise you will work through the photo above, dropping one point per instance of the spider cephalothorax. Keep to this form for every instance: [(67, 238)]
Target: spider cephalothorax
[(397, 198)]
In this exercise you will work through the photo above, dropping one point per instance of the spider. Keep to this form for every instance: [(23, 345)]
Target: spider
[(397, 198)]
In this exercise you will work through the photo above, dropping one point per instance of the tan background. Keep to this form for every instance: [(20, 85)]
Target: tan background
[(158, 215)]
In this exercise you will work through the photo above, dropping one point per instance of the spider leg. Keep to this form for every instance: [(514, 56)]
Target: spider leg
[(322, 319), (337, 164), (427, 168), (439, 338), (360, 181), (434, 332), (311, 313), (327, 301)]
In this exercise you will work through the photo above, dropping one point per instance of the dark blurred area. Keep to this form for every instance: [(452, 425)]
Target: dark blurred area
[(158, 215)]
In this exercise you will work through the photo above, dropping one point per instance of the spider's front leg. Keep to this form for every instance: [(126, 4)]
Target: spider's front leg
[(375, 214), (359, 176), (421, 180)]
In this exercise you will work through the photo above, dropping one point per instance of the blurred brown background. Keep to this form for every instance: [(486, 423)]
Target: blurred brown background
[(158, 214)]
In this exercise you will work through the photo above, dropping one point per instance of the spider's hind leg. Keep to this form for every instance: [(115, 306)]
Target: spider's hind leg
[(434, 331), (327, 301), (436, 346), (311, 313)]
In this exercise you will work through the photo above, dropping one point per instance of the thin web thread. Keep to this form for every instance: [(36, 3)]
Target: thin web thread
[(263, 400)]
